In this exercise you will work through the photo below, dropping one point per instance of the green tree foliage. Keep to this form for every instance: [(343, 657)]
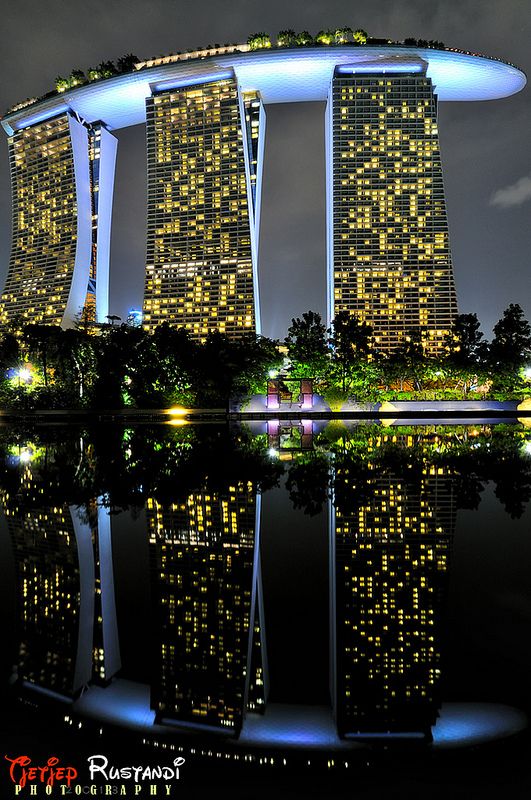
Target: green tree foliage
[(106, 69), (304, 38), (77, 77), (351, 342), (259, 41), (286, 38), (325, 37), (227, 368), (76, 364), (509, 351), (408, 362), (360, 36), (62, 84), (342, 35), (42, 345), (117, 352), (164, 369), (307, 344), (466, 351)]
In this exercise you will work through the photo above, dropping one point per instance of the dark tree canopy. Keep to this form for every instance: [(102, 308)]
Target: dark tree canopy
[(306, 340), (511, 345), (465, 340)]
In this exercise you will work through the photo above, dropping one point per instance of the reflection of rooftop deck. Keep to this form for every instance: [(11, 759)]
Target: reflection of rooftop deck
[(126, 704), (280, 75)]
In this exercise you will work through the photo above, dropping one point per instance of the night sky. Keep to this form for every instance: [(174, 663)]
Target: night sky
[(486, 147)]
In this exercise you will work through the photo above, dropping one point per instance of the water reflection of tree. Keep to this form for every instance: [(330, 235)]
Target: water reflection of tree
[(124, 466), (348, 466), (308, 483)]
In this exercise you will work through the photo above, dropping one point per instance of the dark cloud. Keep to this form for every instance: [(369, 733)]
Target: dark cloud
[(485, 146)]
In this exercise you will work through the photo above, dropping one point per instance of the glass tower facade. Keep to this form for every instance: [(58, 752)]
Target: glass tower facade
[(61, 221), (388, 249), (203, 150)]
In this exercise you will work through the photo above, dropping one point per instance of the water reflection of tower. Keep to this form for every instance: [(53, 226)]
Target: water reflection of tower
[(207, 649), (63, 564), (390, 556)]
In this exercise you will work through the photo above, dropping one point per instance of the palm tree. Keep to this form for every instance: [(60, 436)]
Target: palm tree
[(360, 36), (286, 38), (343, 35), (259, 41)]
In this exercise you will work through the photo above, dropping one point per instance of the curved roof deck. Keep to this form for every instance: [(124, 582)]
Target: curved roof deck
[(281, 75)]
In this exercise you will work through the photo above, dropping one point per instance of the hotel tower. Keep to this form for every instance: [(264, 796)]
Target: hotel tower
[(62, 177), (202, 240), (388, 252), (389, 255)]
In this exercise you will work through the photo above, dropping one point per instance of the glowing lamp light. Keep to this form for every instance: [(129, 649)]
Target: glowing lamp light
[(178, 411), (25, 455), (272, 453), (273, 373), (527, 373), (527, 448), (24, 375)]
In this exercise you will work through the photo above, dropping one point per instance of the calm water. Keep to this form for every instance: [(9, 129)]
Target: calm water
[(314, 595)]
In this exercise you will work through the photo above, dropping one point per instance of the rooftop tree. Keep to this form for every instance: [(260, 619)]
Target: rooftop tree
[(286, 38), (77, 77), (343, 35), (62, 84), (259, 41), (106, 69), (325, 37), (360, 36), (304, 38), (127, 62)]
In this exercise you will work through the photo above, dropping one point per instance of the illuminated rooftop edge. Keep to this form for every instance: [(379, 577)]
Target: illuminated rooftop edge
[(281, 75)]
